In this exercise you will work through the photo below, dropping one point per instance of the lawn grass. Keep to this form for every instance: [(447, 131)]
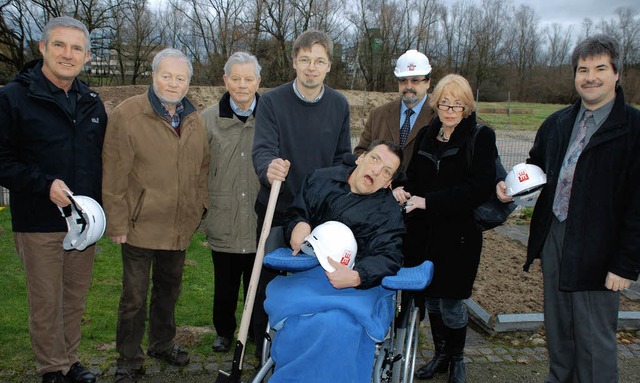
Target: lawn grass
[(99, 321), (529, 122)]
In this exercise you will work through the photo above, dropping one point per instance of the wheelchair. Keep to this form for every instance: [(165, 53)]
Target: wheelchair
[(395, 356)]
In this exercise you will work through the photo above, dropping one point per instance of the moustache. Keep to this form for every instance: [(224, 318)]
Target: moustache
[(591, 83), (409, 91)]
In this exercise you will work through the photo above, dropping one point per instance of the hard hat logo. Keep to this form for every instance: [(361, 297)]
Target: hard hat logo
[(523, 176), (412, 67), (346, 258)]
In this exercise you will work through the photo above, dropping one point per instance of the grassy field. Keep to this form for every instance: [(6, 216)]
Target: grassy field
[(520, 121), (99, 327)]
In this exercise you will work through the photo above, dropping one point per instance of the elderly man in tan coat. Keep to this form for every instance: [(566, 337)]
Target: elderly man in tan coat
[(156, 161)]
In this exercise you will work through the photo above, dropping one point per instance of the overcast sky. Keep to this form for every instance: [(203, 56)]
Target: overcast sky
[(567, 12)]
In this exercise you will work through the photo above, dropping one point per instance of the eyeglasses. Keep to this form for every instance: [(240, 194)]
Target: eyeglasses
[(179, 79), (318, 63), (414, 81), (455, 108)]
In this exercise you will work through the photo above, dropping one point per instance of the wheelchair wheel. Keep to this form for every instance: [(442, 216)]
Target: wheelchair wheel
[(406, 345)]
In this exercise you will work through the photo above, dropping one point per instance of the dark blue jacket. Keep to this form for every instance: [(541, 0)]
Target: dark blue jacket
[(602, 231), (41, 142), (375, 220)]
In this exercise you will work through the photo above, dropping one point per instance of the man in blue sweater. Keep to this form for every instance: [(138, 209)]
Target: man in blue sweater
[(301, 126)]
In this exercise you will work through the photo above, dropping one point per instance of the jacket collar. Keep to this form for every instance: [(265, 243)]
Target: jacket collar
[(32, 76), (156, 104), (225, 106)]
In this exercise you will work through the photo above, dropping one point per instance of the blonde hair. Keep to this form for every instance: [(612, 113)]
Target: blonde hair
[(459, 88)]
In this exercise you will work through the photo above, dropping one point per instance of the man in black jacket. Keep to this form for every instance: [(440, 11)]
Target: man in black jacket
[(359, 197), (51, 138), (586, 223), (336, 334)]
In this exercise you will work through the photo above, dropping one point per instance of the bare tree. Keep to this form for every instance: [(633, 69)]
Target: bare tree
[(558, 41), (523, 43)]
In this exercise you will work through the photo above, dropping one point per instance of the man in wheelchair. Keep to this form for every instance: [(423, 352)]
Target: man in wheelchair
[(328, 322)]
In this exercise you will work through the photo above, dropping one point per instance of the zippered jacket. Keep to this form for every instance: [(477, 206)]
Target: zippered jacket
[(41, 142)]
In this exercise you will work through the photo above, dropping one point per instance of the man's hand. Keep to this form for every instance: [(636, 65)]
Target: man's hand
[(278, 170), (501, 192), (57, 194), (298, 235), (616, 283), (343, 277), (119, 239)]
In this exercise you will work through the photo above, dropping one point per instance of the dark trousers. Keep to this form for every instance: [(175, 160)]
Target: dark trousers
[(580, 326), (228, 269), (138, 265), (260, 317)]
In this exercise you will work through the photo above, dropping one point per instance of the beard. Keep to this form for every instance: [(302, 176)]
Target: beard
[(409, 96)]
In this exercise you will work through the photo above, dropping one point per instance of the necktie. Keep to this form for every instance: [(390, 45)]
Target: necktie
[(406, 127), (565, 180)]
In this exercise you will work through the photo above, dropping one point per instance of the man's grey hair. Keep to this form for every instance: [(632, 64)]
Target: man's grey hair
[(171, 52), (68, 22), (242, 58), (597, 45)]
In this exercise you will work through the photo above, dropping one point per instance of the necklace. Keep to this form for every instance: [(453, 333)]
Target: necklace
[(442, 135)]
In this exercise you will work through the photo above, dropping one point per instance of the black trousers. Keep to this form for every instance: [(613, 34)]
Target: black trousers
[(228, 270)]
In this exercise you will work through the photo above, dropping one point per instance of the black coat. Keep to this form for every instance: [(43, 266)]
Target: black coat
[(602, 230), (40, 141), (453, 185), (375, 220)]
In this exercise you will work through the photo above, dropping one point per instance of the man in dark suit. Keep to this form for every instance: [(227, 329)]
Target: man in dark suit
[(400, 121)]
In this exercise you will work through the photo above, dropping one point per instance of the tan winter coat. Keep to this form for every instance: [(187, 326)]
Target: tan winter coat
[(154, 181), (233, 184)]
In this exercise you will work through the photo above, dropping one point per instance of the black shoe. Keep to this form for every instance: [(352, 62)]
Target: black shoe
[(174, 355), (438, 365), (79, 374), (221, 344), (126, 375), (53, 377)]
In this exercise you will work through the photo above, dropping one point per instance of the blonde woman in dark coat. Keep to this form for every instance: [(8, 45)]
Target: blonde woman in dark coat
[(446, 181)]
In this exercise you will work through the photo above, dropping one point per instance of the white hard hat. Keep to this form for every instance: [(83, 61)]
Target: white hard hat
[(412, 63), (333, 240), (85, 222), (524, 183)]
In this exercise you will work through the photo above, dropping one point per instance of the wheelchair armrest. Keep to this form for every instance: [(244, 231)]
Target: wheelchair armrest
[(410, 278), (281, 259)]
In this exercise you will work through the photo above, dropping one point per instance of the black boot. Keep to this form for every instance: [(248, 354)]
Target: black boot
[(440, 362), (454, 348)]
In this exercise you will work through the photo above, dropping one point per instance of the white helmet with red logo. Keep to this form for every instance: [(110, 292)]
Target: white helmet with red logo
[(524, 183), (333, 240), (86, 222), (412, 63)]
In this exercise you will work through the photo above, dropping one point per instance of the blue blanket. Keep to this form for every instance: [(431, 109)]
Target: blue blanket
[(325, 334)]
